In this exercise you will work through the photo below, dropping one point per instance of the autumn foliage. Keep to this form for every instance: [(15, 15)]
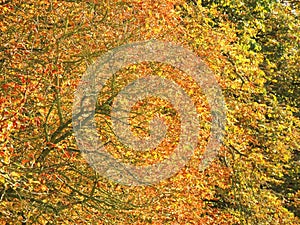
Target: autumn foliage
[(251, 46)]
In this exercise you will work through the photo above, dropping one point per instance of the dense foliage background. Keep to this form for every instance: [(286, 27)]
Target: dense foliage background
[(252, 46)]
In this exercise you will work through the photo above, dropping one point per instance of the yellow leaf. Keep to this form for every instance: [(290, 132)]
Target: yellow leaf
[(2, 180), (15, 174)]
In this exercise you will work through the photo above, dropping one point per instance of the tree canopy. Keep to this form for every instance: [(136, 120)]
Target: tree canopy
[(252, 47)]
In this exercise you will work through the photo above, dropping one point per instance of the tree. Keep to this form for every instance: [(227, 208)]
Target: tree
[(265, 30), (45, 48)]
